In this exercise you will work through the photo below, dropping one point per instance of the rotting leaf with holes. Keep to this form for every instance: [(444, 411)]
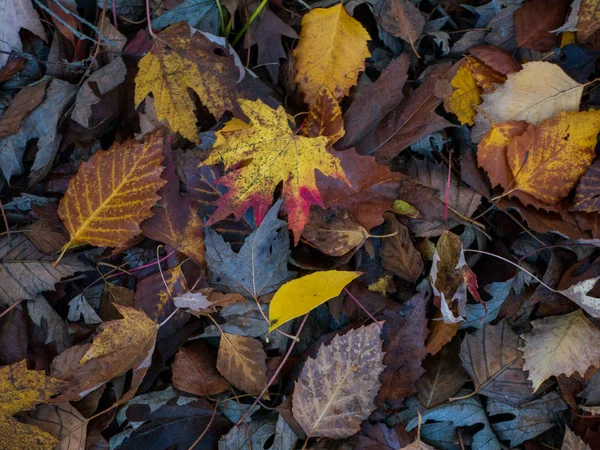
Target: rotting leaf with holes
[(343, 377), (269, 142), (113, 192)]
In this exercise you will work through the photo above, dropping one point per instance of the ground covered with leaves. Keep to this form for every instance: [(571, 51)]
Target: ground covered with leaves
[(280, 225)]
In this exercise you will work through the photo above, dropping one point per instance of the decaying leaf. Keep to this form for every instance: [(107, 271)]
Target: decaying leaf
[(22, 389), (194, 371), (587, 196), (334, 232), (398, 253), (17, 14), (344, 377), (573, 442), (331, 52), (260, 266), (242, 360), (205, 302), (25, 272), (269, 143), (535, 20), (113, 192), (185, 58), (123, 344), (589, 19), (402, 19), (300, 296), (560, 344), (325, 118), (63, 422)]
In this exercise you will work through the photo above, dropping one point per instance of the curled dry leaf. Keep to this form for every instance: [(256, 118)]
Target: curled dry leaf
[(331, 52), (560, 345), (113, 192), (242, 360), (205, 301), (300, 296), (334, 232), (343, 378)]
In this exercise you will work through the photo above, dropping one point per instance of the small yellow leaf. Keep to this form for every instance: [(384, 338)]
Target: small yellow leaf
[(331, 52), (465, 97), (405, 209), (300, 296)]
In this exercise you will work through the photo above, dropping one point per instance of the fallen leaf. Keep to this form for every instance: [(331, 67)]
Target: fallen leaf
[(200, 14), (411, 121), (242, 360), (325, 118), (478, 314), (174, 221), (259, 433), (63, 422), (25, 272), (440, 333), (530, 419), (547, 160), (155, 294), (589, 17), (587, 195), (538, 92), (371, 192), (578, 294), (398, 253), (80, 309), (330, 53), (343, 377), (300, 296), (374, 101), (466, 95), (559, 344), (183, 59), (17, 15), (402, 19), (52, 325), (573, 442), (495, 58), (443, 376), (113, 192), (535, 21), (205, 302), (260, 267), (334, 232), (268, 141), (22, 389), (266, 31), (23, 103), (494, 363), (404, 346), (194, 371), (121, 345)]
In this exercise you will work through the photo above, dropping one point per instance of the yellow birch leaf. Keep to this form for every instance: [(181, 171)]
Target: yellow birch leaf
[(467, 94), (20, 390), (113, 192), (548, 159), (331, 52), (272, 154), (300, 296)]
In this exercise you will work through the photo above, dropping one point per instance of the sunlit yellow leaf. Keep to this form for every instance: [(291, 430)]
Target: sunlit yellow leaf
[(297, 297), (331, 52)]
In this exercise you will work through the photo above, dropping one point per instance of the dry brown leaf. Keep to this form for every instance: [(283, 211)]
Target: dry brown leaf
[(242, 360), (343, 378), (63, 422), (402, 19), (194, 371), (334, 231), (398, 253), (535, 21)]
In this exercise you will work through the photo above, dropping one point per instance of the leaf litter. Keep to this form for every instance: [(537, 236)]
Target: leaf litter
[(286, 225)]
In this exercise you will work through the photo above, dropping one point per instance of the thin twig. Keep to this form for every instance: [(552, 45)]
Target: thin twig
[(363, 308)]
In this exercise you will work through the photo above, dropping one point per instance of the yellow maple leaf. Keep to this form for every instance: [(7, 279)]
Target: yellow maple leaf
[(180, 60), (20, 390), (113, 192), (548, 159), (331, 52), (297, 297), (274, 154)]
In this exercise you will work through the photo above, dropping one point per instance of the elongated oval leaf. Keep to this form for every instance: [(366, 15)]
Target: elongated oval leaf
[(113, 192), (297, 297)]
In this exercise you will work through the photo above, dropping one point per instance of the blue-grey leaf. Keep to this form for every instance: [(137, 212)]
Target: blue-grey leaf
[(463, 413), (260, 267), (477, 315), (248, 436), (531, 419), (200, 14), (234, 410)]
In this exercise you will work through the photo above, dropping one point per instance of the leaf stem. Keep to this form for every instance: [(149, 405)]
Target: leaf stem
[(363, 308)]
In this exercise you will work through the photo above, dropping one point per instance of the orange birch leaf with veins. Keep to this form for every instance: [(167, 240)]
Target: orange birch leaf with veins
[(548, 159), (274, 154), (331, 52), (113, 192)]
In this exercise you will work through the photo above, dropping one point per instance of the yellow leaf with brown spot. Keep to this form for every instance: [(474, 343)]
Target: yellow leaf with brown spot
[(331, 52), (113, 192), (548, 159), (184, 59), (325, 118), (272, 154), (21, 390)]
